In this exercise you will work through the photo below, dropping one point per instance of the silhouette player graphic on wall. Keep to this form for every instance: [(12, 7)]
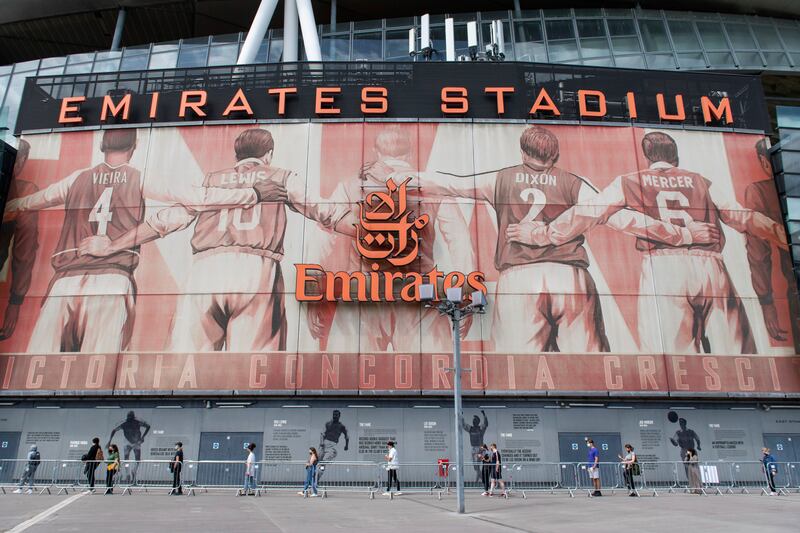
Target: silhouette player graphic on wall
[(476, 432), (132, 429)]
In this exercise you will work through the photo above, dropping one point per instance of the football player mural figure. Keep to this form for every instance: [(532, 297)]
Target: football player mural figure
[(24, 232), (329, 439), (244, 312), (395, 327), (476, 432), (560, 309), (90, 301), (699, 309), (761, 197), (131, 428)]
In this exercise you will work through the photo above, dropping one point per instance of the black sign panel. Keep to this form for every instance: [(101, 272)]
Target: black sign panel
[(413, 91)]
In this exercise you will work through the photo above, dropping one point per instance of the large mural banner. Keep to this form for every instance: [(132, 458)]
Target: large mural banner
[(288, 257)]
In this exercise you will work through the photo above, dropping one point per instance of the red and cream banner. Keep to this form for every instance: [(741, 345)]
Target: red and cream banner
[(613, 259)]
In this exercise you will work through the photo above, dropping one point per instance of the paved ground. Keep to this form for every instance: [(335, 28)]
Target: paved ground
[(286, 512)]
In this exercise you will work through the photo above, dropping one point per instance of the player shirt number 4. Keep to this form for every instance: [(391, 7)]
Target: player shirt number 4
[(103, 201)]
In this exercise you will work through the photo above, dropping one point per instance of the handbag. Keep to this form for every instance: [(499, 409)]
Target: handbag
[(636, 468)]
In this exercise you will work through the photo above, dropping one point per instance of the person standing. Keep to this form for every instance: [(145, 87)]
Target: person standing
[(28, 476), (496, 466), (770, 469), (91, 459), (485, 458), (629, 463), (393, 464), (311, 473), (176, 467), (112, 466), (692, 464), (593, 466), (250, 471)]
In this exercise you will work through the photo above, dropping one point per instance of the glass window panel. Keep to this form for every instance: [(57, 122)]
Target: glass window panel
[(13, 97), (135, 58), (791, 186), (776, 59), (563, 51), (740, 36), (193, 55), (654, 36), (720, 59), (791, 36), (796, 58), (529, 45), (28, 66), (712, 36), (109, 65), (3, 86), (621, 27), (588, 12), (559, 29), (691, 60), (368, 46), (223, 54), (683, 36), (486, 33), (591, 28), (617, 12), (793, 208), (6, 69), (557, 13), (163, 60), (51, 62), (226, 38), (626, 44), (78, 68), (630, 61), (796, 253), (601, 62), (53, 71), (337, 47), (374, 24), (750, 59), (660, 61), (263, 52), (594, 48), (163, 56), (275, 49), (767, 37)]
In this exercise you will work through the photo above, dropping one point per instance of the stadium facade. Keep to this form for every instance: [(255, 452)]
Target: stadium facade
[(219, 254)]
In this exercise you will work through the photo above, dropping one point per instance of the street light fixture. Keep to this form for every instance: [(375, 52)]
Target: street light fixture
[(455, 307)]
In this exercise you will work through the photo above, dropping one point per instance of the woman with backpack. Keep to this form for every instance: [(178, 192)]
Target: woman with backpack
[(112, 467), (631, 468)]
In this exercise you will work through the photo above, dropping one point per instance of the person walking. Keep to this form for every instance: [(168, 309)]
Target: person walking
[(770, 469), (311, 473), (496, 466), (485, 457), (692, 463), (392, 465), (28, 476), (91, 459), (250, 471), (630, 465), (176, 466), (112, 467), (593, 466)]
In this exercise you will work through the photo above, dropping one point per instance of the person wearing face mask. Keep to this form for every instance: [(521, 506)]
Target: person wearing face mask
[(311, 473), (112, 466), (176, 466)]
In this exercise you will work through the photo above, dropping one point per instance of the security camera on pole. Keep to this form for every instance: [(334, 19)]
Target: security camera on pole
[(455, 307)]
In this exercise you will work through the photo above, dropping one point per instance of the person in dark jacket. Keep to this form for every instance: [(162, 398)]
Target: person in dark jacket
[(91, 459), (770, 469)]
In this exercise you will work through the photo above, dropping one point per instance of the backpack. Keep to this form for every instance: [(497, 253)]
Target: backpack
[(99, 455), (636, 468)]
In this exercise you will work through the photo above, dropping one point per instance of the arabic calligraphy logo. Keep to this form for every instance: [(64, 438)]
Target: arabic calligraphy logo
[(386, 230)]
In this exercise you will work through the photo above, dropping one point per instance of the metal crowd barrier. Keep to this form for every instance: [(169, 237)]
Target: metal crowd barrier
[(707, 477)]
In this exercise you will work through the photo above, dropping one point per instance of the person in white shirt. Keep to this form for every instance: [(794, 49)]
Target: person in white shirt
[(250, 472), (392, 464)]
